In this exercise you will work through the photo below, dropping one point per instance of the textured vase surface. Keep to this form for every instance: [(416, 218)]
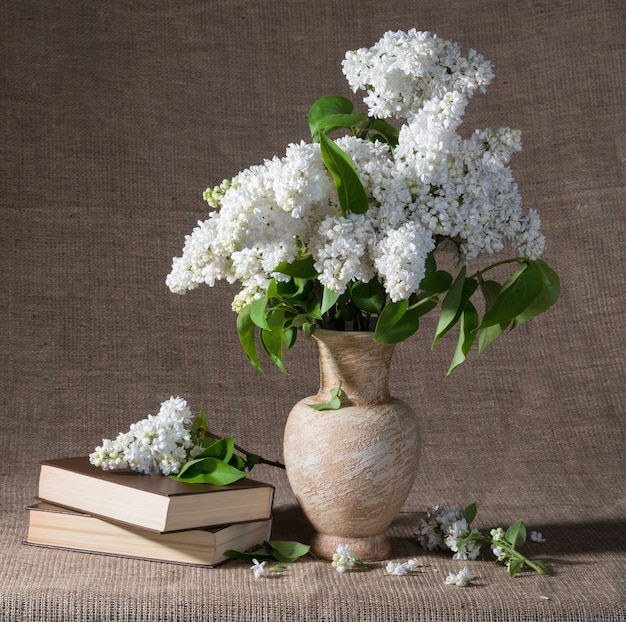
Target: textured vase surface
[(351, 469)]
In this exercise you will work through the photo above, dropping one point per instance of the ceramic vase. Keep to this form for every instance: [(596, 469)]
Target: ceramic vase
[(351, 469)]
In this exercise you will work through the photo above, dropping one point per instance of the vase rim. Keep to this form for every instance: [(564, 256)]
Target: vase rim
[(329, 331)]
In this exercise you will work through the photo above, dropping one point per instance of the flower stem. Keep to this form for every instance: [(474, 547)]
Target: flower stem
[(511, 552), (479, 273)]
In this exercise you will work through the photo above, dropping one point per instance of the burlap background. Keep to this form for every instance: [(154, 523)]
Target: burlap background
[(116, 115)]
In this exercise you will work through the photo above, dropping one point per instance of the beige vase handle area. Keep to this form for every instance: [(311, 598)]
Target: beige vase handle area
[(351, 469)]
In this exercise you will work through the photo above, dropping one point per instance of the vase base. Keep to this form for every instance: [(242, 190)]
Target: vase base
[(367, 548)]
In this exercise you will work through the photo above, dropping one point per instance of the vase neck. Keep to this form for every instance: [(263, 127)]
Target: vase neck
[(357, 363)]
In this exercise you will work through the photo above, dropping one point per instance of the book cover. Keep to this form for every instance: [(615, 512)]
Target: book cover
[(152, 502), (56, 527)]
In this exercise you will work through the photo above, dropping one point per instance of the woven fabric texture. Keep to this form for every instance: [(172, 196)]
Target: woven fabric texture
[(116, 115)]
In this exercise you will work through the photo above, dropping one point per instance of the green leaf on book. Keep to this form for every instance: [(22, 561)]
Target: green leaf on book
[(209, 471), (221, 449)]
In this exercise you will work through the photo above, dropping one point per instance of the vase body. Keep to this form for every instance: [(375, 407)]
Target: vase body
[(351, 469)]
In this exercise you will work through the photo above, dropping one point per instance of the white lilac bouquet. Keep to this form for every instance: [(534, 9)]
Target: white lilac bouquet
[(342, 233)]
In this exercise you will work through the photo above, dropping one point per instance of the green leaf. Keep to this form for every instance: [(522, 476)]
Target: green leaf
[(280, 550), (209, 471), (258, 312), (396, 323), (286, 551), (277, 568), (252, 460), (222, 449), (287, 290), (454, 302), (467, 334), (333, 404), (327, 107), (548, 295), (290, 335), (303, 267), (450, 306), (199, 425), (237, 462), (490, 291), (272, 339), (329, 298), (514, 566), (247, 330), (335, 122), (516, 295), (370, 296), (350, 190), (260, 553), (436, 282), (431, 262), (516, 534), (386, 130), (469, 513)]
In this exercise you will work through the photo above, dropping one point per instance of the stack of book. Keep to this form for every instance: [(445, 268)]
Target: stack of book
[(123, 513)]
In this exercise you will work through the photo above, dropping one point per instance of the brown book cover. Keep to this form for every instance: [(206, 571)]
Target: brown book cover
[(56, 527), (152, 502)]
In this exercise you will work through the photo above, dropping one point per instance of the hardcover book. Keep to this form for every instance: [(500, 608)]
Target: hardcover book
[(56, 527), (152, 502)]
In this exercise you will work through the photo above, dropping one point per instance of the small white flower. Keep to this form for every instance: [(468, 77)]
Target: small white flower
[(396, 568), (536, 536), (402, 568), (345, 558), (461, 579), (258, 569), (412, 564)]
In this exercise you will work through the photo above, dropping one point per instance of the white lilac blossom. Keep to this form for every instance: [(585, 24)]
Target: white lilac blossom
[(434, 186), (498, 537), (258, 569), (405, 69), (157, 444), (443, 528), (345, 558), (536, 536), (463, 578)]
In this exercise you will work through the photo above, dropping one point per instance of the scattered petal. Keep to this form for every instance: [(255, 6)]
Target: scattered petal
[(462, 579), (535, 536), (258, 569)]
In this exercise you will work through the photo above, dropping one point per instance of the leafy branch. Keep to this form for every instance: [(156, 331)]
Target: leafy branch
[(219, 462)]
